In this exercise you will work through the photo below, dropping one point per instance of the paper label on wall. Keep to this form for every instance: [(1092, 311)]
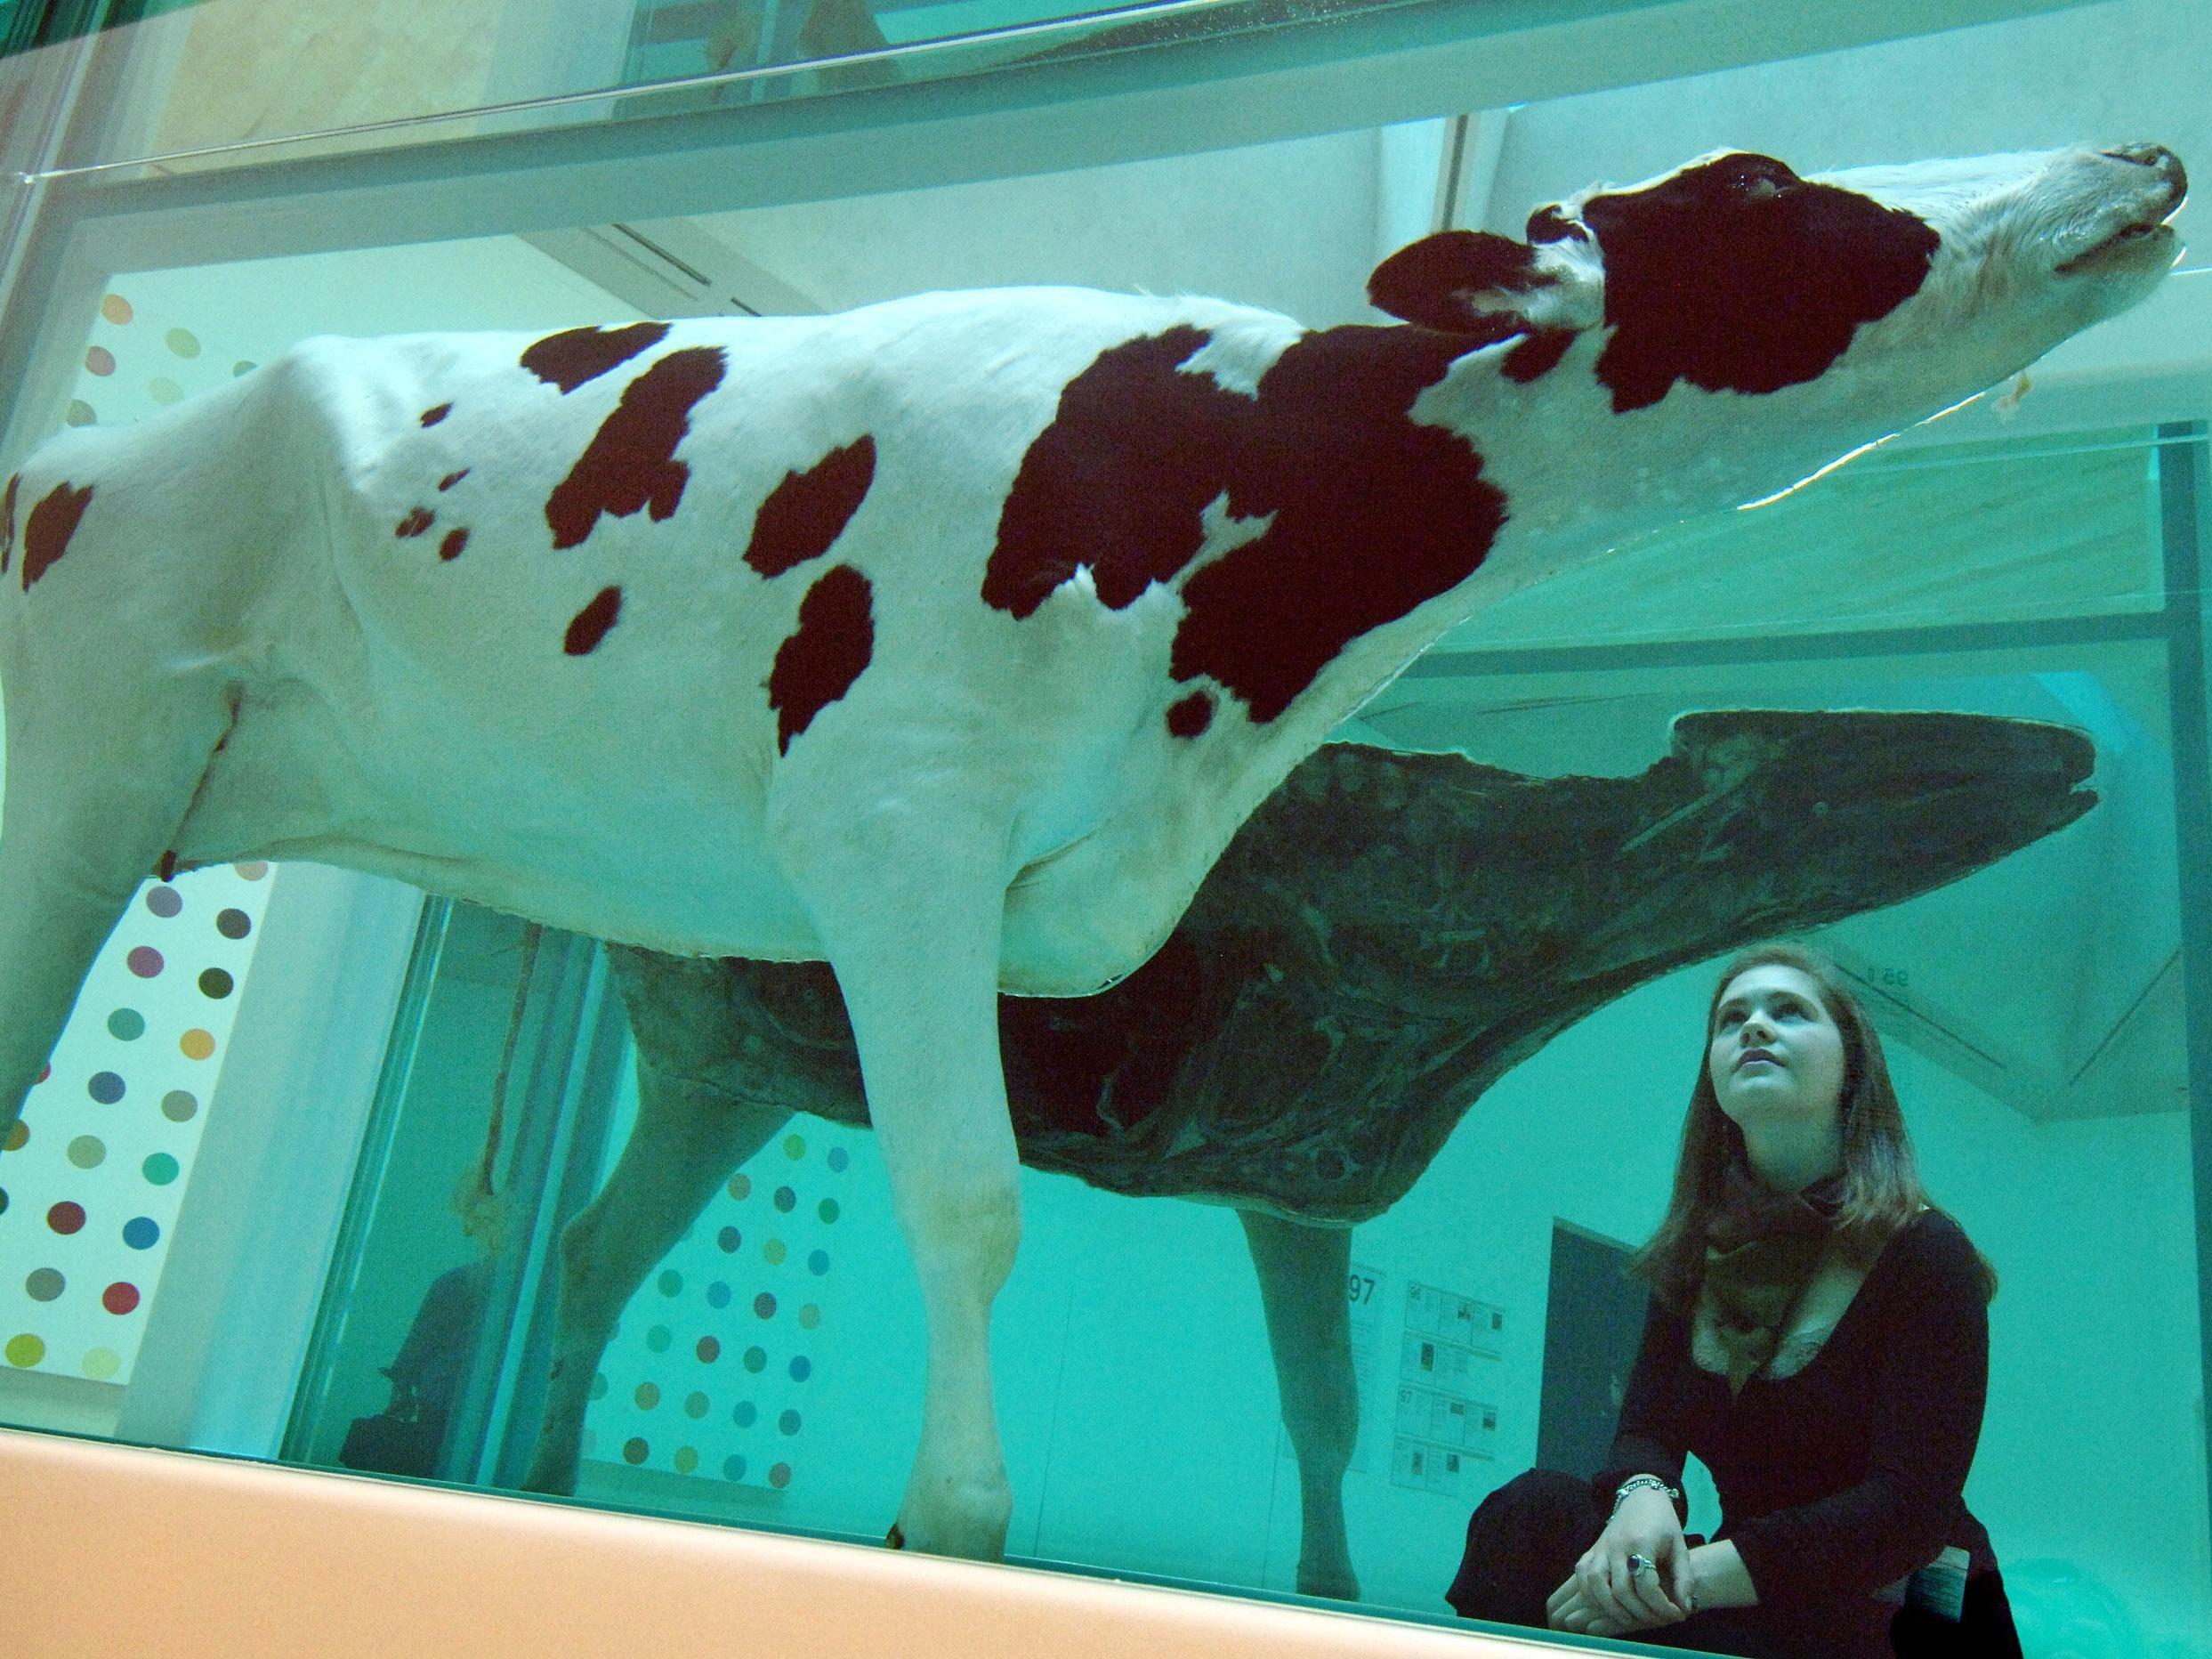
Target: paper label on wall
[(1445, 1425)]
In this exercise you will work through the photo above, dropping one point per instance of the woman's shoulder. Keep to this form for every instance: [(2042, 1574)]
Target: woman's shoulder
[(1930, 1249)]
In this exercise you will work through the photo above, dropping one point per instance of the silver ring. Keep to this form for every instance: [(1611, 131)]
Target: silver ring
[(1639, 1564)]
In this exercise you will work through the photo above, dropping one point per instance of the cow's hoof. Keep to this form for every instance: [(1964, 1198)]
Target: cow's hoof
[(1330, 1584), (894, 1539), (963, 1520)]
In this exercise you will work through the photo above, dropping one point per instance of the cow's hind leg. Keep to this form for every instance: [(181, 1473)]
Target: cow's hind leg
[(1303, 1272), (689, 1136), (102, 766), (909, 900)]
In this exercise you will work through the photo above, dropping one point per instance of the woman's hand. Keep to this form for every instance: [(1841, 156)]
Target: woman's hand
[(1603, 1597)]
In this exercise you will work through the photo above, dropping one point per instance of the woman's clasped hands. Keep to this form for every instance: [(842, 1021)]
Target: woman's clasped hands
[(1636, 1577)]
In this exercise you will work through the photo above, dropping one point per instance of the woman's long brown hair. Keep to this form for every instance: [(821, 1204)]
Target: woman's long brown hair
[(1881, 1190)]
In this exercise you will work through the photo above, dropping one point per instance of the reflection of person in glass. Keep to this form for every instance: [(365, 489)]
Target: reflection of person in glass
[(1818, 1335)]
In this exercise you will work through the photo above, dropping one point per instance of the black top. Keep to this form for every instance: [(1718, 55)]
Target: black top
[(1846, 1476)]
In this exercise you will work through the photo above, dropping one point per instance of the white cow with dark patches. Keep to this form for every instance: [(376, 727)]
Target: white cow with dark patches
[(948, 640)]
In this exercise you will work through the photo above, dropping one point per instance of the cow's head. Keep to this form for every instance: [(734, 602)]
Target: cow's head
[(1901, 289)]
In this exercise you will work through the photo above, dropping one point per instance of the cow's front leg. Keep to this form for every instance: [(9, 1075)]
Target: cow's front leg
[(688, 1138), (1303, 1272), (908, 898)]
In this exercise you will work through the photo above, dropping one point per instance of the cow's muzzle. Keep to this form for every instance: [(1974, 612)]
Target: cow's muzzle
[(2146, 224)]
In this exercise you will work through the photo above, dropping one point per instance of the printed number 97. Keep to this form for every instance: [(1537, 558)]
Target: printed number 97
[(1362, 1288)]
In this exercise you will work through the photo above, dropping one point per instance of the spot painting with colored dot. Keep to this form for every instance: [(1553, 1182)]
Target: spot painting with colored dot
[(96, 1170)]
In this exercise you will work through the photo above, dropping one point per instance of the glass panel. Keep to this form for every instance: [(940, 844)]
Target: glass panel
[(1429, 1026)]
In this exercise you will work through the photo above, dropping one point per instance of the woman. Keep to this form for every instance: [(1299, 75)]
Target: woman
[(1819, 1336)]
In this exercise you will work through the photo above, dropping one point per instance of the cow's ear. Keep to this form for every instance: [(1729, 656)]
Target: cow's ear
[(1443, 281)]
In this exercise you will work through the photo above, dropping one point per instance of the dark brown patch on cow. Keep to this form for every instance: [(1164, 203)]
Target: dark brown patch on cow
[(416, 522), (1191, 716), (7, 523), (569, 358), (450, 548), (451, 479), (1370, 513), (819, 663), (590, 625), (52, 522), (1428, 281), (1537, 355), (631, 461), (1737, 275), (805, 513), (431, 417), (1549, 224)]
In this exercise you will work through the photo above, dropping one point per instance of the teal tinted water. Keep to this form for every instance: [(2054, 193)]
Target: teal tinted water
[(765, 1370)]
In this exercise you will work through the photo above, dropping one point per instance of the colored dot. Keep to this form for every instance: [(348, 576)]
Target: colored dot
[(648, 1396), (116, 309), (695, 1405), (178, 1106), (633, 1451), (733, 1467), (197, 1044), (659, 1338), (838, 1159), (119, 1297), (44, 1284), (827, 1211), (802, 1368), (670, 1282), (740, 1188), (183, 341), (773, 1252), (687, 1458), (779, 1476), (729, 1239), (786, 1201), (709, 1350), (80, 413), (788, 1422), (105, 1087), (757, 1359), (142, 1233), (160, 1169), (253, 870), (164, 900), (164, 390), (126, 1025), (19, 1132), (102, 1364), (88, 1151), (810, 1316), (242, 368), (25, 1350), (145, 961), (599, 1385), (718, 1294), (818, 1263), (215, 984), (764, 1305), (234, 924), (746, 1414), (66, 1217), (794, 1148), (100, 361)]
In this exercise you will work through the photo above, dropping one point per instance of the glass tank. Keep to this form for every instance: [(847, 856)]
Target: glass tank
[(1328, 1212)]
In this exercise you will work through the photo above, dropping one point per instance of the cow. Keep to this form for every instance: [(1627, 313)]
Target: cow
[(1385, 938), (948, 640)]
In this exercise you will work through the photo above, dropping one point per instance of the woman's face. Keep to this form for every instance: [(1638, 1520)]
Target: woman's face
[(1775, 1054)]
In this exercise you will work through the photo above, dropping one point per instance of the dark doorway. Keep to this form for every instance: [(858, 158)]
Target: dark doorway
[(1593, 1322)]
